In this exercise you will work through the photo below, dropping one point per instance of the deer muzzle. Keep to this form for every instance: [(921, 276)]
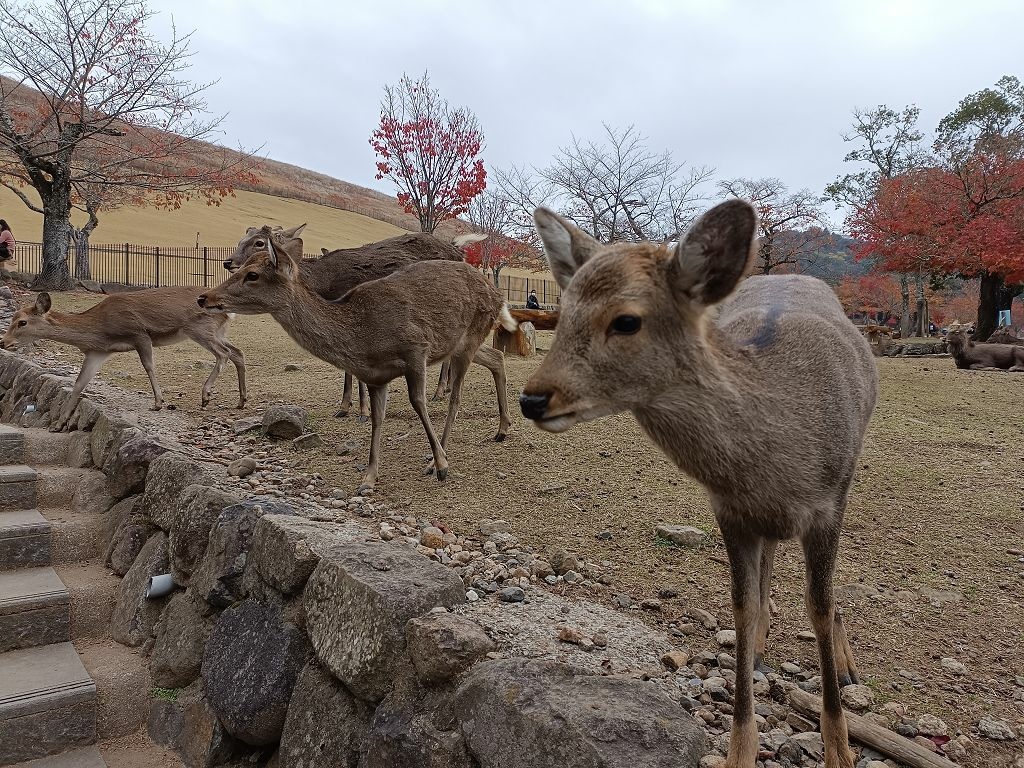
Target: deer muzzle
[(534, 406)]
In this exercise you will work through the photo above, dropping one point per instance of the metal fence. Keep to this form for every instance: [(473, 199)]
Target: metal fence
[(154, 265)]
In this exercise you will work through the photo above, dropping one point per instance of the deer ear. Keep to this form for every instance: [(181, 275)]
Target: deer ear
[(710, 261), (567, 247), (43, 303), (294, 231)]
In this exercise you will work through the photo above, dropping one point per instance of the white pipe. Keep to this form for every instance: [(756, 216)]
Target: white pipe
[(159, 586)]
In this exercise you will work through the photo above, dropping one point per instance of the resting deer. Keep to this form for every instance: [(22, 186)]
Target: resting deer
[(340, 270), (979, 356), (379, 330), (764, 402), (138, 321)]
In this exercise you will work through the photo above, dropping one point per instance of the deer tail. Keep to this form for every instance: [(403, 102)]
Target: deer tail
[(460, 241), (508, 322)]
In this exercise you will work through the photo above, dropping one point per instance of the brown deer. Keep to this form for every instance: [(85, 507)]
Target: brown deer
[(980, 356), (761, 392), (141, 320), (342, 269), (379, 330)]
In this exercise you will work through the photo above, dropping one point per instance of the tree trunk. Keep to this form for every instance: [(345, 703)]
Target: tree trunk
[(989, 298), (54, 275), (904, 306), (495, 272), (922, 308), (81, 240)]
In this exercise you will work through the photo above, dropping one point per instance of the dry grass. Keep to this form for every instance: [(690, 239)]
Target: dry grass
[(937, 503)]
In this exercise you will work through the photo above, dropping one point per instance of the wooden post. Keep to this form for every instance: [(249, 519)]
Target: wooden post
[(878, 738), (205, 267), (126, 260), (157, 260)]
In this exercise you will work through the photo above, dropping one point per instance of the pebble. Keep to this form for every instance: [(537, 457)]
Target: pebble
[(726, 638), (620, 600), (706, 620), (806, 635), (930, 725), (681, 535), (998, 730), (954, 666), (432, 537), (675, 659), (242, 467), (472, 595), (512, 595), (307, 441), (572, 577), (789, 668), (292, 367), (857, 697)]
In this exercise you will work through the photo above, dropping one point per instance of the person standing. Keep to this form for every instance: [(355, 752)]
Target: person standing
[(7, 243)]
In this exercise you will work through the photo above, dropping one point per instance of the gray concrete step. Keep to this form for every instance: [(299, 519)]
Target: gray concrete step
[(24, 539), (17, 487), (12, 445), (47, 703), (43, 448), (87, 757), (123, 684), (34, 609), (76, 536), (83, 490), (92, 588)]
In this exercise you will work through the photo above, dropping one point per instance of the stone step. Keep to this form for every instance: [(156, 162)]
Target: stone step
[(24, 539), (47, 703), (86, 757), (44, 448), (34, 609), (76, 536), (81, 490), (17, 487), (12, 445), (122, 685), (92, 588)]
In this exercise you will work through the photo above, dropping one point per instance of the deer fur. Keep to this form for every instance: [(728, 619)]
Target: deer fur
[(979, 356), (761, 390), (1005, 335), (140, 321), (379, 330), (340, 270)]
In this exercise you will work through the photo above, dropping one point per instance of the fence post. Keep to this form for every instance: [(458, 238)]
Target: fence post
[(126, 261), (157, 260), (205, 270)]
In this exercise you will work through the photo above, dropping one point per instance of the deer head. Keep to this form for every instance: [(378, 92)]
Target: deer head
[(634, 316), (28, 324), (263, 283), (255, 241)]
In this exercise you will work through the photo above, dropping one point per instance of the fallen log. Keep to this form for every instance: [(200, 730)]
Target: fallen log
[(516, 342), (867, 733)]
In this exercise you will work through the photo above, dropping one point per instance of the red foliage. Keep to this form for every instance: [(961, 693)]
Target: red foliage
[(873, 294), (931, 220), (497, 252)]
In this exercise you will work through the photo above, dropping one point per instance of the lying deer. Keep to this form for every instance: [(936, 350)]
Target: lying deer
[(340, 270), (380, 330), (761, 392), (138, 321), (979, 356)]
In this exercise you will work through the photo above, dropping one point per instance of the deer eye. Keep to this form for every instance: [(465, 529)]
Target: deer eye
[(259, 244), (22, 323), (626, 325), (251, 277)]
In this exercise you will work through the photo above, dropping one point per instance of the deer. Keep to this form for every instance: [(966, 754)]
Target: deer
[(339, 270), (140, 321), (760, 390), (379, 330), (982, 356)]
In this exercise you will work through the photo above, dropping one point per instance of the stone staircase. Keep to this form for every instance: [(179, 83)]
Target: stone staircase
[(64, 685)]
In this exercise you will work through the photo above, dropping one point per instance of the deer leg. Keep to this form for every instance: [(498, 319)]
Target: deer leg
[(820, 546), (145, 349), (378, 404), (416, 380), (494, 361), (442, 381), (458, 373), (90, 367), (238, 359), (346, 397), (222, 356), (846, 667), (745, 556), (764, 617), (364, 403)]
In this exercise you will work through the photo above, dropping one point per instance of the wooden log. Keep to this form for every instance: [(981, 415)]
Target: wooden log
[(878, 738), (542, 319)]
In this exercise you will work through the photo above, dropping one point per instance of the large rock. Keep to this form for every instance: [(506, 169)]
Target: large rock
[(198, 508), (181, 638), (126, 543), (284, 421), (188, 725), (250, 666), (106, 432), (358, 601), (218, 578), (127, 463), (442, 645), (134, 615), (168, 477), (546, 714), (286, 548), (416, 734), (325, 726)]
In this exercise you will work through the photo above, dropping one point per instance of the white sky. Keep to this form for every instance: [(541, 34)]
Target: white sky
[(752, 87)]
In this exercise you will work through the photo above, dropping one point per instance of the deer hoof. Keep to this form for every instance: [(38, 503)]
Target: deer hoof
[(341, 414), (428, 470), (442, 474), (363, 419), (156, 407), (500, 437)]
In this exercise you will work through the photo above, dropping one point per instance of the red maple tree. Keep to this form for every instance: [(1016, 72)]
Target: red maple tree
[(497, 252), (429, 150)]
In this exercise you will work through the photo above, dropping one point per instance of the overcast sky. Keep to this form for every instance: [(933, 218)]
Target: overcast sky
[(751, 87)]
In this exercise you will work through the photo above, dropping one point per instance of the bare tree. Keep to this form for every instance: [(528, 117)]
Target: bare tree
[(792, 229), (95, 100), (508, 243)]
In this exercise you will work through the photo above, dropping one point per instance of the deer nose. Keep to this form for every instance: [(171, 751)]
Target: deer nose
[(534, 406), (227, 264), (201, 301)]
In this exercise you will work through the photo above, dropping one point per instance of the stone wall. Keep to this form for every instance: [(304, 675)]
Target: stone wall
[(297, 638)]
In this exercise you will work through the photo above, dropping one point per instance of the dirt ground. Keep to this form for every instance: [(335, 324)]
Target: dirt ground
[(932, 535)]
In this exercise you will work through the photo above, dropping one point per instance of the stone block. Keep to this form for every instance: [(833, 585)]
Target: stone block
[(166, 479), (197, 510), (442, 645), (284, 421), (127, 462), (135, 616), (286, 548), (181, 636)]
